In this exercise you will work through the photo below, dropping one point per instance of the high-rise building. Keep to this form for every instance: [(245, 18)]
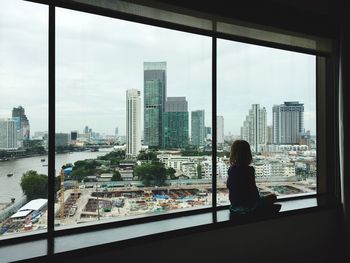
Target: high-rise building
[(220, 129), (61, 139), (287, 122), (8, 134), (207, 133), (254, 128), (133, 122), (154, 102), (22, 123), (197, 128), (73, 137), (269, 134), (175, 120)]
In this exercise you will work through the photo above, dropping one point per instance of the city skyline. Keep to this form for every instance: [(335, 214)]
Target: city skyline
[(95, 68)]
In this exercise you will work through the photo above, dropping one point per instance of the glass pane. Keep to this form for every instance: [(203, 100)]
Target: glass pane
[(23, 117), (267, 97), (133, 104)]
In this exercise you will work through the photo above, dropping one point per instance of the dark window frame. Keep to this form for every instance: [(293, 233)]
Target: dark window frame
[(326, 125)]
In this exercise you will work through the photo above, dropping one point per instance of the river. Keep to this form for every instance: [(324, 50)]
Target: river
[(10, 186)]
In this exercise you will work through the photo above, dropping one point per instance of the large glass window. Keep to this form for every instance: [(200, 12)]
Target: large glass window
[(267, 97), (23, 117), (133, 115), (133, 112)]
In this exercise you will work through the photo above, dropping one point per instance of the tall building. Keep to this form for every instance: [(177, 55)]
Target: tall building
[(220, 129), (8, 134), (22, 123), (175, 120), (287, 122), (207, 133), (133, 122), (269, 134), (154, 102), (197, 128), (254, 128), (61, 139), (73, 137)]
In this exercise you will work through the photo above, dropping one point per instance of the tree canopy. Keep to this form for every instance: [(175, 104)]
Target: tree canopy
[(116, 176), (34, 185), (147, 156), (151, 174)]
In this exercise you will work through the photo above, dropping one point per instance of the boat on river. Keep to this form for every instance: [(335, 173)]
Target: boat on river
[(9, 175), (43, 160)]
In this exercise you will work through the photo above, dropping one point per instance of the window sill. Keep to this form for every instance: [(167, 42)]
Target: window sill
[(133, 234)]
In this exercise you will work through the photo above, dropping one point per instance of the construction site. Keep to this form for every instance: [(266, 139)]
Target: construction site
[(91, 204)]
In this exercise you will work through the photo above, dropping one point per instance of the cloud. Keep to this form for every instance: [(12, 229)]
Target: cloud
[(99, 58)]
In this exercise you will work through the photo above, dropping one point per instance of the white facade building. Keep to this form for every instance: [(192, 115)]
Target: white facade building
[(133, 122), (254, 129), (220, 129), (8, 134)]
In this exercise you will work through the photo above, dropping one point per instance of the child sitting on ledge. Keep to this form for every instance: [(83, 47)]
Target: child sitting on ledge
[(243, 192)]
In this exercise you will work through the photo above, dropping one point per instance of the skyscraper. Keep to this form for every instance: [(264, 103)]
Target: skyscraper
[(133, 122), (207, 133), (8, 134), (220, 129), (73, 137), (197, 128), (175, 123), (287, 122), (22, 123), (154, 102), (254, 128)]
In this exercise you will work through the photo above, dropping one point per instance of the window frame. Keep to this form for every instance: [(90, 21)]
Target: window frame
[(327, 120)]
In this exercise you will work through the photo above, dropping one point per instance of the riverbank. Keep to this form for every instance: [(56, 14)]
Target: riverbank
[(10, 186)]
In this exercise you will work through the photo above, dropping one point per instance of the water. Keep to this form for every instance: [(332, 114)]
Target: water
[(10, 186)]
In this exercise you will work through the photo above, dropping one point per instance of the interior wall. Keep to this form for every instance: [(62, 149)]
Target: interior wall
[(345, 96), (311, 237)]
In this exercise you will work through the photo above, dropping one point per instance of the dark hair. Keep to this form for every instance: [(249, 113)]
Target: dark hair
[(240, 153)]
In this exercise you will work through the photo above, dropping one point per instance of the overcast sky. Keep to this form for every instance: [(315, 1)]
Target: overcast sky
[(98, 59)]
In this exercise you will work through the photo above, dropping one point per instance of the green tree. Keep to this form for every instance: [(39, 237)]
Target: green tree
[(116, 176), (147, 156), (151, 174), (170, 172), (115, 157), (34, 185)]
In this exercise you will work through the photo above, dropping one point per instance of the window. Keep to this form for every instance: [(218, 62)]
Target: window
[(267, 97), (133, 103), (132, 116), (23, 117)]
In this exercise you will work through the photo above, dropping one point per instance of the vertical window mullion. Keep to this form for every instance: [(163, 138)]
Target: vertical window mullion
[(214, 130), (51, 121)]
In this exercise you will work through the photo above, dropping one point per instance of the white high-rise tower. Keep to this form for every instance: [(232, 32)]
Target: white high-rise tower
[(220, 129), (254, 128), (133, 122), (8, 134)]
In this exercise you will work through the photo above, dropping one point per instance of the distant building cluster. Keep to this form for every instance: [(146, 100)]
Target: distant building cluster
[(14, 131), (166, 119), (287, 127), (194, 167)]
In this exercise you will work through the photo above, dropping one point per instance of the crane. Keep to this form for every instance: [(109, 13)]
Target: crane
[(62, 195)]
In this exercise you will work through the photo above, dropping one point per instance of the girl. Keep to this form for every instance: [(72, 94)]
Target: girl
[(243, 192)]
